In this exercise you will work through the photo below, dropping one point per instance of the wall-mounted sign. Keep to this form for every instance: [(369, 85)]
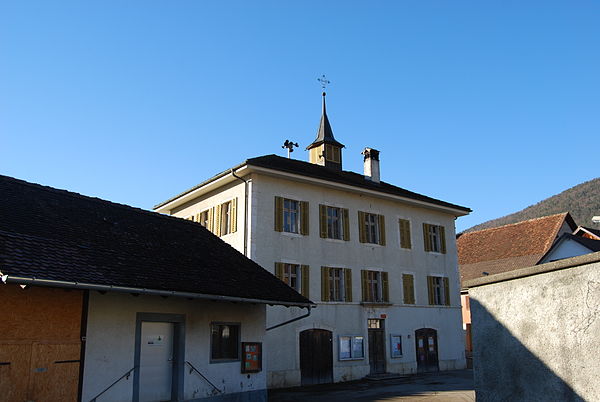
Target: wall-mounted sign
[(155, 340), (396, 345), (251, 357)]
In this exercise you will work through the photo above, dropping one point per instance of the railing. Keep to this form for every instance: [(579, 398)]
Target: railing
[(192, 369), (126, 375)]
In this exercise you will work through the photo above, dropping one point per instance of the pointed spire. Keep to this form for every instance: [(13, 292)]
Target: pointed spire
[(324, 133)]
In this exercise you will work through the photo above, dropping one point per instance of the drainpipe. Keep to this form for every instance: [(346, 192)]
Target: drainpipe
[(245, 211), (292, 320)]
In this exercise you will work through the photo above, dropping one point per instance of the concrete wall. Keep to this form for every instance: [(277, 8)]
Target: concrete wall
[(110, 345), (536, 337)]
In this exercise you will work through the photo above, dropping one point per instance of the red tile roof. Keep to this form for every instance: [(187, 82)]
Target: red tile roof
[(508, 247)]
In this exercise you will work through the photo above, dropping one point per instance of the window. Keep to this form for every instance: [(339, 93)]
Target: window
[(408, 287), (336, 284), (291, 216), (351, 347), (225, 218), (225, 341), (205, 218), (438, 289), (295, 276), (332, 153), (435, 238), (404, 233), (375, 286), (371, 228), (334, 222)]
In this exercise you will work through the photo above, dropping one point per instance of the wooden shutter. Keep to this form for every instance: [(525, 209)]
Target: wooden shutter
[(405, 241), (346, 223), (426, 238), (430, 290), (304, 269), (279, 270), (279, 214), (408, 287), (197, 217), (323, 220), (442, 239), (381, 230), (218, 225), (211, 219), (362, 236), (364, 285), (385, 289), (348, 285), (446, 291), (304, 218), (233, 215), (324, 283)]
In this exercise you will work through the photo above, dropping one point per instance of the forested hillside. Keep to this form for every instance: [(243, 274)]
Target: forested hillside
[(582, 201)]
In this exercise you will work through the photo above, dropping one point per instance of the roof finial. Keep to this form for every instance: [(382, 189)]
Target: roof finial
[(324, 82)]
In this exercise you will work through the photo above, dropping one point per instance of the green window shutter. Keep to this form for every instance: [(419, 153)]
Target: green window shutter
[(325, 284), (279, 214), (426, 238), (362, 236), (446, 291), (443, 239), (323, 220), (304, 218), (348, 284), (364, 285), (408, 288), (346, 224), (382, 230), (218, 209), (385, 288), (304, 269), (405, 241), (279, 270), (430, 289), (233, 215)]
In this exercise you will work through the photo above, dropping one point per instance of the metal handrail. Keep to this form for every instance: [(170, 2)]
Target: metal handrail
[(192, 368), (127, 374)]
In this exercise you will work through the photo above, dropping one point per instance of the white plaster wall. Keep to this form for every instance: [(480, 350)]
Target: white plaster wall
[(566, 249), (269, 246), (110, 345)]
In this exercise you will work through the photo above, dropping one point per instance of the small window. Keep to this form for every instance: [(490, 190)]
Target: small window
[(404, 233), (204, 219), (294, 275), (332, 153), (336, 284), (225, 341), (225, 219), (291, 216), (375, 286), (435, 238), (371, 228), (334, 222), (438, 289), (351, 347)]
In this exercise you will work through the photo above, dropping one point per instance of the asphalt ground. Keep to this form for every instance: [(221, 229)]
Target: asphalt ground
[(447, 386)]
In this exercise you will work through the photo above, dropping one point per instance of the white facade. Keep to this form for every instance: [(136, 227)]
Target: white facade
[(112, 340), (267, 246)]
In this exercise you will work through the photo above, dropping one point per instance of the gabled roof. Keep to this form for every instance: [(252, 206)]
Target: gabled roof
[(590, 244), (306, 169), (508, 247), (324, 133), (588, 232), (56, 236)]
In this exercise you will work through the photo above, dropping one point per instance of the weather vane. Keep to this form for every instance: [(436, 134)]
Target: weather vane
[(290, 146), (324, 82)]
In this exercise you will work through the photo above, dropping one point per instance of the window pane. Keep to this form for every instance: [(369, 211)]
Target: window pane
[(357, 347), (225, 341), (345, 347)]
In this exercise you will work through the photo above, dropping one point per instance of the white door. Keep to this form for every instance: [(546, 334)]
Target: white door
[(156, 361)]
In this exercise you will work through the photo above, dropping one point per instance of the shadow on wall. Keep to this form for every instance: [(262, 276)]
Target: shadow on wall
[(505, 370)]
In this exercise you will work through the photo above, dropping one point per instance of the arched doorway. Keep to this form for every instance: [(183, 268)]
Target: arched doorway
[(316, 356), (427, 350)]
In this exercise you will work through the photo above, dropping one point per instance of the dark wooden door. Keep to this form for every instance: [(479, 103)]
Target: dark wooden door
[(427, 350), (376, 346), (316, 356)]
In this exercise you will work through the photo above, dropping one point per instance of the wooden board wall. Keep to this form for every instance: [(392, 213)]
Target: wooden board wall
[(40, 343)]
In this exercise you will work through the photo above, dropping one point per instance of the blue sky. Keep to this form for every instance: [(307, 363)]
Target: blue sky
[(490, 105)]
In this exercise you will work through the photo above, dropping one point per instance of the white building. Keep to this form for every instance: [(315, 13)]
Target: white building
[(378, 260)]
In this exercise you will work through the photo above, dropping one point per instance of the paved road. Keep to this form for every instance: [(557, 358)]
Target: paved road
[(448, 386)]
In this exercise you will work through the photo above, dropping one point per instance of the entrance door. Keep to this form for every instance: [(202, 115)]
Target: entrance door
[(316, 356), (376, 345), (156, 361), (427, 350)]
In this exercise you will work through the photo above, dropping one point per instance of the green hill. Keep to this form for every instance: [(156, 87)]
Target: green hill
[(582, 201)]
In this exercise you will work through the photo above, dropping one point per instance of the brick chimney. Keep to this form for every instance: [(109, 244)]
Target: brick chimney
[(372, 164)]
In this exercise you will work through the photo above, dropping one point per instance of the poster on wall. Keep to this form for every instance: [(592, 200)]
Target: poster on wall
[(251, 357), (396, 344)]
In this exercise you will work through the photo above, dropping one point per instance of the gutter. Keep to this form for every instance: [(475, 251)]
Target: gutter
[(245, 211), (143, 291), (292, 320)]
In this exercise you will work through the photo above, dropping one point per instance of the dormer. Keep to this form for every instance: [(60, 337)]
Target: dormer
[(325, 150)]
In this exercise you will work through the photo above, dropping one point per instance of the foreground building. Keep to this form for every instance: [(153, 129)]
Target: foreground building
[(101, 301), (380, 262)]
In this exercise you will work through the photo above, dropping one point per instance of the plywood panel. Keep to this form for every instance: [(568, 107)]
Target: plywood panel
[(14, 371), (54, 371)]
